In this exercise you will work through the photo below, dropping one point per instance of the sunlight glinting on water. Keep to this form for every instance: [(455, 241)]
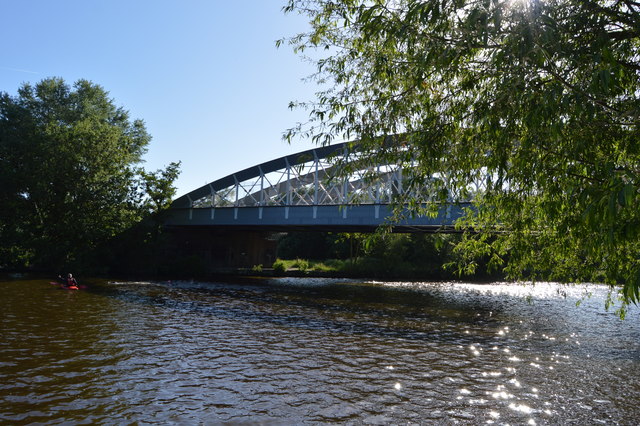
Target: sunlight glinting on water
[(315, 350), (539, 290)]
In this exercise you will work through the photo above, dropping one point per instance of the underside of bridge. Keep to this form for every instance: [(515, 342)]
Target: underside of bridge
[(218, 248)]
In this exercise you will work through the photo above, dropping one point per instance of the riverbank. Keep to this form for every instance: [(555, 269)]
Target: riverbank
[(362, 268)]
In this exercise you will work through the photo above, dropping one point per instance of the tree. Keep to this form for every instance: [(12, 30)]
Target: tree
[(68, 166), (158, 187), (540, 97)]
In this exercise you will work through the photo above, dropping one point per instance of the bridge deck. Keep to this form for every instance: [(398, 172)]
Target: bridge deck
[(361, 218)]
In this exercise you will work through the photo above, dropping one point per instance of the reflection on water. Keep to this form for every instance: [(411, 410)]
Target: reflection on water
[(316, 351)]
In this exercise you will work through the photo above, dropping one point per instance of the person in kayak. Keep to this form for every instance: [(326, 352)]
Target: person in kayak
[(69, 281)]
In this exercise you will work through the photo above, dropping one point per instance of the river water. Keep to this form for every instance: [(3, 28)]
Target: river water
[(315, 351)]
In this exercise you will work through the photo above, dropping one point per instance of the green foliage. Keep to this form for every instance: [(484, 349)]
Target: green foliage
[(542, 97), (278, 267), (384, 255), (68, 167), (301, 264), (158, 187), (327, 265)]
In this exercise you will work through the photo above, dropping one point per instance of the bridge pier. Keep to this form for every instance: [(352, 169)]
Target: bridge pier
[(218, 249)]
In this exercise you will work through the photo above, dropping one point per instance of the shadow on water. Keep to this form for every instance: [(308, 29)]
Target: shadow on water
[(449, 313), (339, 306)]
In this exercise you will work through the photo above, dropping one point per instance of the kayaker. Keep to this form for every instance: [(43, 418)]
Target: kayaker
[(69, 281)]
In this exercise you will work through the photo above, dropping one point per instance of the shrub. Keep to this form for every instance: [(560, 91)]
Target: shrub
[(278, 267), (301, 264)]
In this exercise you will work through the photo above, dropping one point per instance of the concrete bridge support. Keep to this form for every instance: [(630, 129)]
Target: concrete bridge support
[(218, 249)]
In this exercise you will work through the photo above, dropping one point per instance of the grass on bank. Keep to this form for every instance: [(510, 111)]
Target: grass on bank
[(361, 267), (304, 265)]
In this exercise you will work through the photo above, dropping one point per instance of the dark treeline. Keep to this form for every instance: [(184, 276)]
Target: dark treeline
[(382, 255)]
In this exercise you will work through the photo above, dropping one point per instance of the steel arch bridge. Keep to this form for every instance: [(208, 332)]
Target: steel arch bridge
[(297, 192)]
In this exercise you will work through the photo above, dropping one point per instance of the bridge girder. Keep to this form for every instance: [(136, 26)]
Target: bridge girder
[(304, 190)]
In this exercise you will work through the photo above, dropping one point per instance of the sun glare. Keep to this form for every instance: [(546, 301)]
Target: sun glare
[(517, 4)]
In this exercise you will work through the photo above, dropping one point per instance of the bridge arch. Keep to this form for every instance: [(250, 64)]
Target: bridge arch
[(303, 191)]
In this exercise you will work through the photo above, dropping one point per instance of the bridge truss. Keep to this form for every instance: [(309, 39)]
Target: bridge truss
[(310, 178), (306, 190)]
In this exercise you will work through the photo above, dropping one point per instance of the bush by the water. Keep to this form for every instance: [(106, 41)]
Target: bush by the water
[(415, 256), (278, 267)]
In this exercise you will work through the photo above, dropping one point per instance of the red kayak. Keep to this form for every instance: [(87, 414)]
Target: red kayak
[(67, 287)]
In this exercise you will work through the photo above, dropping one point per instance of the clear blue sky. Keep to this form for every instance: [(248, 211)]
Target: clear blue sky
[(204, 75)]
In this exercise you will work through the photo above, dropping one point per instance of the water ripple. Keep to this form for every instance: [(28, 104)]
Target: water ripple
[(315, 351)]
